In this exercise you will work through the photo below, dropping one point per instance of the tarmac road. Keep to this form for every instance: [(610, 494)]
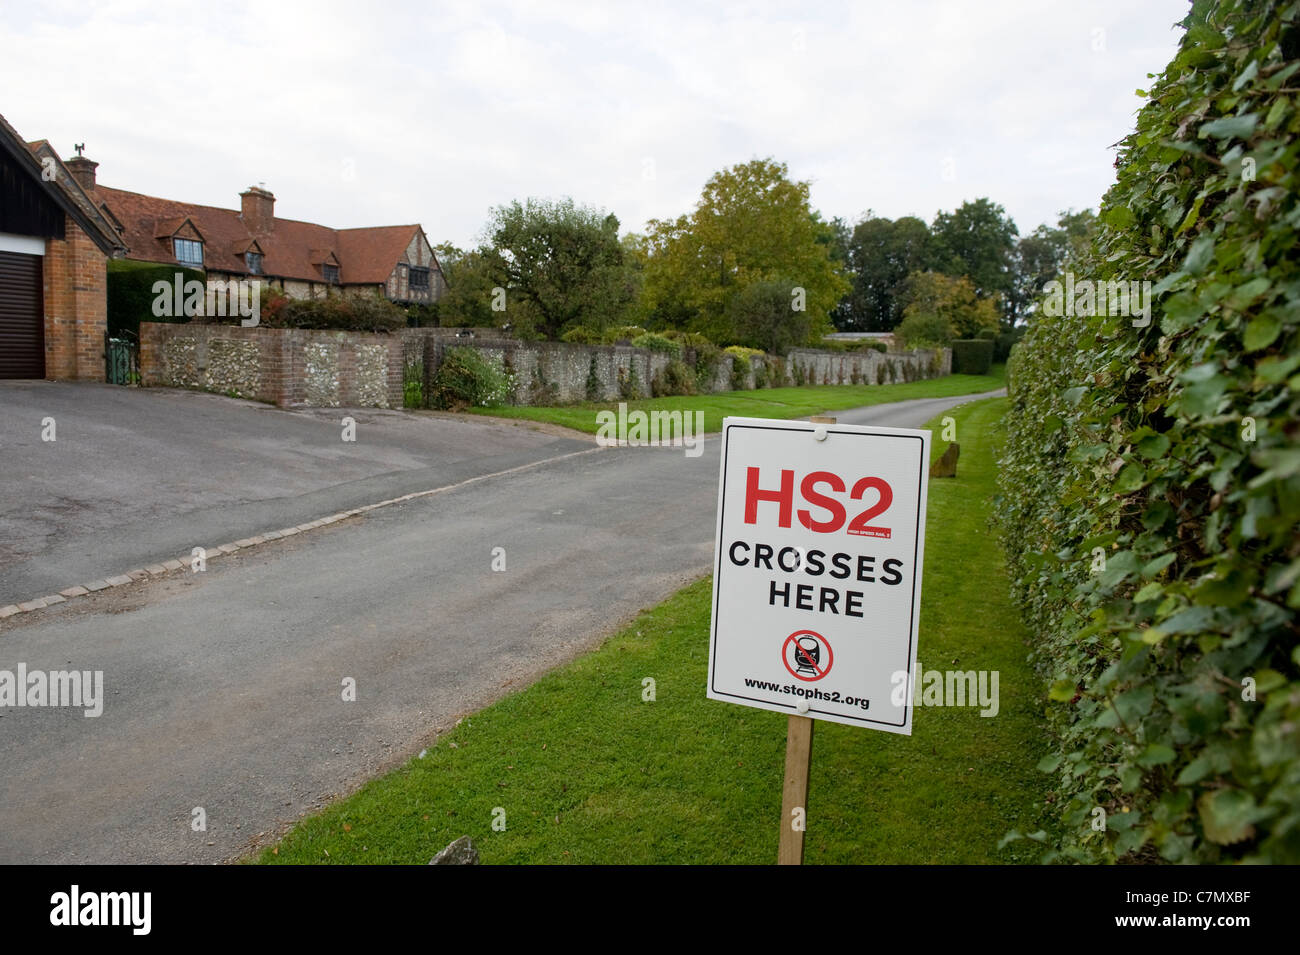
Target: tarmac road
[(224, 689)]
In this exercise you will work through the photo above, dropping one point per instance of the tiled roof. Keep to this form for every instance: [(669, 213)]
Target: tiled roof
[(64, 189), (292, 249)]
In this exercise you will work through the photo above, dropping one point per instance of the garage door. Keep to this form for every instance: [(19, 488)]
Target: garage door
[(22, 317)]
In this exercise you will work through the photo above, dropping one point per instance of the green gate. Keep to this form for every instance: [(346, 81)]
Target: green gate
[(121, 359)]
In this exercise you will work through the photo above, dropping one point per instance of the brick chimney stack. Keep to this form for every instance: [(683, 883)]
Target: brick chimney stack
[(83, 170), (257, 209)]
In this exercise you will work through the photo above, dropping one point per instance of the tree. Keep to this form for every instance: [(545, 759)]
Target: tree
[(882, 254), (762, 316), (751, 225), (468, 298), (978, 240), (952, 299), (561, 261), (1041, 256)]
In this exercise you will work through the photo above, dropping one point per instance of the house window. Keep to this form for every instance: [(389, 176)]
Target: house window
[(188, 251), (254, 262), (419, 278), (331, 274)]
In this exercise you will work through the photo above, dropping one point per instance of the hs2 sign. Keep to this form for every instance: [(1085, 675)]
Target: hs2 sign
[(817, 577)]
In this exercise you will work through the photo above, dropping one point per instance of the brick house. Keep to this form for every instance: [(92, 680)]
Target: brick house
[(303, 259), (54, 246)]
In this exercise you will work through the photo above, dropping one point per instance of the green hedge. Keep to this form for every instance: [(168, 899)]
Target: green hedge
[(971, 356), (130, 294), (1151, 477)]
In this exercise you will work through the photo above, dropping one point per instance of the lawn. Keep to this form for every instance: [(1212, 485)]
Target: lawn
[(763, 402), (587, 771)]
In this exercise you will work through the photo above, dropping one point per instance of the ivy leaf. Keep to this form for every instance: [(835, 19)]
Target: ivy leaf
[(1227, 815), (1154, 446), (1062, 691), (1230, 127), (1157, 754), (1048, 764), (1199, 256), (1262, 331)]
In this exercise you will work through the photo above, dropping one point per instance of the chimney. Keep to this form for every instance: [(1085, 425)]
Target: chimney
[(257, 209), (83, 170)]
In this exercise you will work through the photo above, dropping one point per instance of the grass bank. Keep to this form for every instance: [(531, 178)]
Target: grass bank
[(587, 771), (763, 402)]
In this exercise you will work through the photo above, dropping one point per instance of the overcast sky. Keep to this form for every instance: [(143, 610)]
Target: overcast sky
[(375, 113)]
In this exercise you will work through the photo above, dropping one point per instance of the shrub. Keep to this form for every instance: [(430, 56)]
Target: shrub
[(581, 335), (658, 343), (621, 334), (629, 383), (1005, 342), (971, 356), (595, 387), (368, 313), (467, 377), (924, 331), (130, 295), (674, 379), (761, 373), (1150, 484)]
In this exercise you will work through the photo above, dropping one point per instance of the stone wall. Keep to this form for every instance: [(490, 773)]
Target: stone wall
[(350, 369), (285, 366)]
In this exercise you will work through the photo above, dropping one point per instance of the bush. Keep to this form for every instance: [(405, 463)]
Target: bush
[(467, 377), (581, 335), (1006, 341), (971, 356), (1150, 484), (924, 331), (595, 387), (761, 374), (130, 295), (621, 334), (674, 379), (540, 391), (629, 383), (368, 313), (658, 343)]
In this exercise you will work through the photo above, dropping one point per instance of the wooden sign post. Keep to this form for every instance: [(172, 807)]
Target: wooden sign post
[(798, 763), (817, 583)]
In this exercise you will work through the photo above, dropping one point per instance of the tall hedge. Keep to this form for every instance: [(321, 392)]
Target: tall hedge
[(971, 356), (1151, 480), (130, 294)]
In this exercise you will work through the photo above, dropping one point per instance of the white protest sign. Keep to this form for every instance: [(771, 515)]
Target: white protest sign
[(817, 570)]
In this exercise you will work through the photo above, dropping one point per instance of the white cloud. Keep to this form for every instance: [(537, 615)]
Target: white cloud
[(441, 111)]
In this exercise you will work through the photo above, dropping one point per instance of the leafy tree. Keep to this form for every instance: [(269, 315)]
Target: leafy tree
[(751, 225), (564, 263), (468, 298), (881, 255), (1042, 255), (951, 299), (978, 240), (761, 316)]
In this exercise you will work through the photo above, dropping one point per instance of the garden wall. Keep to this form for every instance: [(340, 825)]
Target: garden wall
[(329, 369)]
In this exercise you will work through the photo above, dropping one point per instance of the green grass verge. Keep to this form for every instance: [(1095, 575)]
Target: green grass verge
[(763, 402), (588, 772)]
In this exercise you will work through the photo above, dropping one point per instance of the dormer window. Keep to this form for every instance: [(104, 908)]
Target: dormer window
[(188, 252), (253, 260), (331, 273)]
